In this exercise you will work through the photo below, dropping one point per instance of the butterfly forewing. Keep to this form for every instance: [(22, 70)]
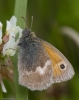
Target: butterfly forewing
[(62, 69)]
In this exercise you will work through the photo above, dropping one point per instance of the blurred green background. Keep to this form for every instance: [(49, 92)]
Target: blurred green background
[(49, 17)]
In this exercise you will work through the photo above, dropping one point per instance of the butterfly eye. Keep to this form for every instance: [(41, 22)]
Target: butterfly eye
[(62, 66)]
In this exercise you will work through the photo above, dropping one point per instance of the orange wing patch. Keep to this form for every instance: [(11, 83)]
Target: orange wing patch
[(56, 60)]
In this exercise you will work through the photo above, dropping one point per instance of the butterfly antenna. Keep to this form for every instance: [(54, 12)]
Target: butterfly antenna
[(31, 23), (24, 19)]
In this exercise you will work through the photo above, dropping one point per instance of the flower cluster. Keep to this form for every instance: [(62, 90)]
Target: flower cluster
[(8, 41), (11, 32)]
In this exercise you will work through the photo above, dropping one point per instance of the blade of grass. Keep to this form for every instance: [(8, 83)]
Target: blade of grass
[(20, 10)]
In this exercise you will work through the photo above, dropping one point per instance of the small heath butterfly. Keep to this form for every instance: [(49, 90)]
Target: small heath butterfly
[(40, 64)]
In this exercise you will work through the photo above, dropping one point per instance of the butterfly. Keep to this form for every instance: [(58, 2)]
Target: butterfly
[(40, 64)]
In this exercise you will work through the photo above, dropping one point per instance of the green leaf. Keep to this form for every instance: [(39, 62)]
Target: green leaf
[(20, 10)]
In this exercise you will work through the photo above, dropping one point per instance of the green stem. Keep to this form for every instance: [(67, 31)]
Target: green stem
[(20, 10), (1, 93)]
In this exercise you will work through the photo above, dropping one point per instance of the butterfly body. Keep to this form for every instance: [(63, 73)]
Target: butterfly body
[(40, 64)]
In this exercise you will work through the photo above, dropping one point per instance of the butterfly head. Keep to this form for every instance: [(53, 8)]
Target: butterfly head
[(27, 37), (26, 33)]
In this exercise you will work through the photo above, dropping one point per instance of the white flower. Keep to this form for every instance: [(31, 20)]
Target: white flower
[(9, 47), (12, 30), (0, 32), (2, 85), (11, 26)]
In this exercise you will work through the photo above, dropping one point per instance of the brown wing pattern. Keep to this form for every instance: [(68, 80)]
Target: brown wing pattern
[(55, 58), (58, 59)]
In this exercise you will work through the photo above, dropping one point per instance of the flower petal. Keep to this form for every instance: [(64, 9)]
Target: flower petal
[(10, 47), (1, 25), (8, 28), (5, 48), (13, 21), (3, 87), (1, 33), (20, 32), (10, 52)]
